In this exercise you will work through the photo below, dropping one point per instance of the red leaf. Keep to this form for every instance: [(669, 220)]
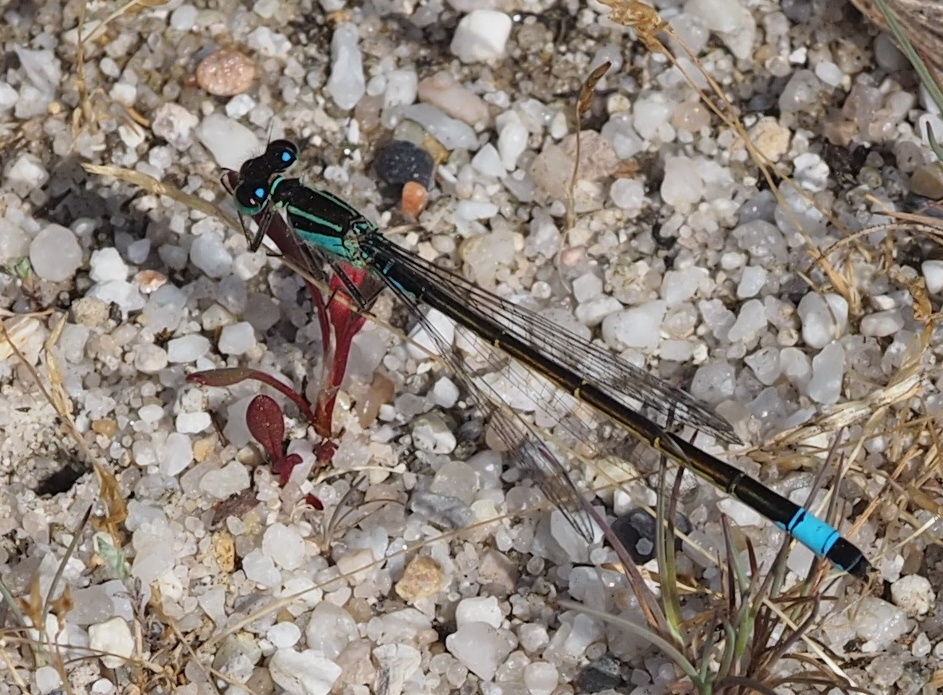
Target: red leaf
[(324, 453), (222, 377), (284, 466), (267, 424)]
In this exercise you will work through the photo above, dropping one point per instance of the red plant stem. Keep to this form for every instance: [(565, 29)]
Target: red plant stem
[(333, 378), (320, 308), (221, 377), (346, 323)]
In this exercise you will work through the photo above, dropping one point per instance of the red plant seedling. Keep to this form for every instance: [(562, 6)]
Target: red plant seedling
[(339, 322)]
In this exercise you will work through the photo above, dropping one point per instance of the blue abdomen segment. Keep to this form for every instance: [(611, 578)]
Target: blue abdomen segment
[(812, 532)]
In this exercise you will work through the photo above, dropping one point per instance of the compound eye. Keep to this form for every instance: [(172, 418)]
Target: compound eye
[(282, 154), (249, 200)]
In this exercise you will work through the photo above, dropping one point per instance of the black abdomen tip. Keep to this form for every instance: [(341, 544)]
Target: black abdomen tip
[(847, 556)]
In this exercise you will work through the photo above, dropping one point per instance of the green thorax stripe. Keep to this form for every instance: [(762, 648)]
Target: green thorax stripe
[(313, 210)]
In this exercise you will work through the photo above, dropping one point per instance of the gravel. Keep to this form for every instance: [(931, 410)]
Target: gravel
[(433, 567)]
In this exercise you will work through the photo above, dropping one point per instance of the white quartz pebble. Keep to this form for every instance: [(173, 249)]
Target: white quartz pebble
[(481, 35)]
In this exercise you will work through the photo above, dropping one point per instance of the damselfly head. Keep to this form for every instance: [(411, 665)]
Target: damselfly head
[(257, 174)]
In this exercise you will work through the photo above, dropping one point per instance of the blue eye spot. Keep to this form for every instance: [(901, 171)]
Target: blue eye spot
[(259, 192), (286, 156)]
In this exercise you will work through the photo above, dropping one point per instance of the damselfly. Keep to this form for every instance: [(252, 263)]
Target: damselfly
[(335, 232)]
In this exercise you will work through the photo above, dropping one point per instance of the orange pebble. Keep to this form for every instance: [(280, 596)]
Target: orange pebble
[(415, 197), (225, 73), (106, 428)]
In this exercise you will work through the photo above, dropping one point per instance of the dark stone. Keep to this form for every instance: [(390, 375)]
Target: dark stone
[(401, 162), (603, 674), (637, 531)]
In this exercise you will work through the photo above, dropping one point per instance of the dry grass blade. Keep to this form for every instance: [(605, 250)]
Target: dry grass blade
[(15, 673), (84, 109), (16, 332), (115, 504), (587, 89), (644, 19), (152, 185), (128, 8), (76, 539), (60, 399), (918, 468)]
